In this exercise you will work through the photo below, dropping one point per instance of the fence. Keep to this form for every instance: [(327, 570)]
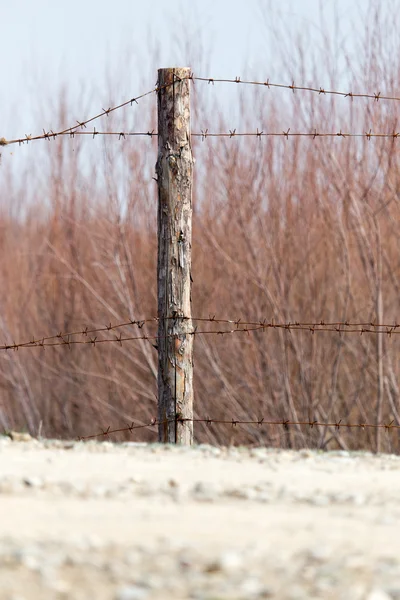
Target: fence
[(174, 340)]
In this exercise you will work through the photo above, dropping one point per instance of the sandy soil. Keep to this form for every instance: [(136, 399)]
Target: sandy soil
[(135, 522)]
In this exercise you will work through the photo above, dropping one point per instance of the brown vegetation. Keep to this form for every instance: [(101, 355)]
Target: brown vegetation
[(296, 229)]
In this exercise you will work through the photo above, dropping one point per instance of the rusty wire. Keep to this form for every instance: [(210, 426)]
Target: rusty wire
[(205, 134), (65, 338), (87, 336), (81, 124), (301, 88), (231, 133), (260, 422)]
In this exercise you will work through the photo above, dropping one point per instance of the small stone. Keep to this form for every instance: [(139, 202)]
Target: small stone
[(9, 486), (75, 488), (60, 586), (387, 521), (378, 594), (251, 587), (318, 554), (33, 482), (297, 592), (213, 567), (204, 492), (31, 562), (305, 453), (264, 497), (17, 436), (134, 480), (259, 453), (230, 561), (356, 562), (132, 592), (342, 453), (132, 558), (68, 445), (94, 542), (266, 592), (215, 451), (319, 500), (243, 493), (99, 490), (356, 591)]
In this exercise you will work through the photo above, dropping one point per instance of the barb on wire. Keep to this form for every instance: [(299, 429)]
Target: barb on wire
[(300, 88), (86, 335), (260, 422)]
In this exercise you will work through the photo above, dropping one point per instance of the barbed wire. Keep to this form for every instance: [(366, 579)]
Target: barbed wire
[(301, 88), (77, 129), (82, 124), (93, 341), (289, 324), (205, 134), (260, 422), (231, 133), (85, 331), (72, 134), (240, 326)]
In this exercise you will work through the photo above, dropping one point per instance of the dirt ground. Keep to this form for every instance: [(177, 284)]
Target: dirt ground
[(136, 522)]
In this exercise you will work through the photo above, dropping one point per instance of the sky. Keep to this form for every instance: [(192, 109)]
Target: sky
[(50, 45)]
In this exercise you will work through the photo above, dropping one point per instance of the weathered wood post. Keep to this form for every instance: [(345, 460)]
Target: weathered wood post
[(174, 173)]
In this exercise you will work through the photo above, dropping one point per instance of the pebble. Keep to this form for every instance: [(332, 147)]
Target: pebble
[(33, 482), (17, 436), (251, 587), (230, 561), (319, 500), (204, 492), (259, 453), (132, 592), (318, 553), (377, 594)]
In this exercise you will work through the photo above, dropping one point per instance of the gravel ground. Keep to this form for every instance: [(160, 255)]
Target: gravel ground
[(141, 522)]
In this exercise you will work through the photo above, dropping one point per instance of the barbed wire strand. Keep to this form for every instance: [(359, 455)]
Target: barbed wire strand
[(321, 91), (260, 422), (76, 129), (241, 326), (205, 134), (233, 133)]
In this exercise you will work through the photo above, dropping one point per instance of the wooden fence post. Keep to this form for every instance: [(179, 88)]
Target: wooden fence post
[(174, 174)]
